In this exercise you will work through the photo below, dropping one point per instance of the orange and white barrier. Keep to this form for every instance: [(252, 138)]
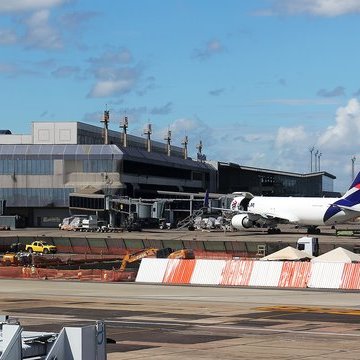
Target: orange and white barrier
[(350, 277), (237, 273), (250, 273)]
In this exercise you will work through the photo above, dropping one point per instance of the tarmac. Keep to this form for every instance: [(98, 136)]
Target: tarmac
[(289, 233), (168, 322), (172, 322), (289, 236)]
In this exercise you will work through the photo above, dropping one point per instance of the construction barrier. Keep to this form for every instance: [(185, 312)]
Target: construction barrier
[(254, 273), (207, 272), (237, 273), (294, 274), (31, 272), (179, 272), (350, 277), (326, 275), (266, 273)]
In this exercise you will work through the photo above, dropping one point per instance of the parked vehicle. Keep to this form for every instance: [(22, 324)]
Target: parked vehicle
[(41, 247), (309, 244)]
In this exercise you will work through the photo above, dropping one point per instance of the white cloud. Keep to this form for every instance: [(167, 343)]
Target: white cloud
[(28, 5), (289, 136), (327, 8), (345, 134), (66, 71), (106, 88), (7, 37), (299, 102), (113, 74), (210, 49), (40, 33), (184, 125), (114, 56), (338, 91), (6, 68)]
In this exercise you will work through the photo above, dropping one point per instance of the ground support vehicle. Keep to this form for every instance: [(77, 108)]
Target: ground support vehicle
[(16, 259), (41, 247), (152, 252), (308, 244)]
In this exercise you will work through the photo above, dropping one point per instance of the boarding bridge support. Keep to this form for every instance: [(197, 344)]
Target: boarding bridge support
[(85, 343), (11, 342)]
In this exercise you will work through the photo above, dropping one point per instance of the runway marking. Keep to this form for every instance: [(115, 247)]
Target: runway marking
[(282, 331), (310, 309), (205, 326)]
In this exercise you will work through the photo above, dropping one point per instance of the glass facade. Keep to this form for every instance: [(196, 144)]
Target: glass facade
[(50, 164), (26, 167), (258, 182), (327, 184), (36, 197), (98, 165)]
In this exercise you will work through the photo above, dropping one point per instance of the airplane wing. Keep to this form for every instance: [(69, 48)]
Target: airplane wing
[(273, 217)]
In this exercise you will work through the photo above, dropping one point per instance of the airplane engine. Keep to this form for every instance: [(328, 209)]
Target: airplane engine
[(241, 221)]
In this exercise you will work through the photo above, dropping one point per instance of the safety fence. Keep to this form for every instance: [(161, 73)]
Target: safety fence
[(30, 272), (122, 246), (250, 273)]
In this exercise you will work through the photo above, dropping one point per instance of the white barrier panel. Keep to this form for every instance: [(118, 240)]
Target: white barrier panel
[(326, 275), (207, 272), (152, 270), (266, 273)]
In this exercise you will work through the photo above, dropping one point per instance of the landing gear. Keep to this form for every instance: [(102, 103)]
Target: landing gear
[(274, 231), (313, 230)]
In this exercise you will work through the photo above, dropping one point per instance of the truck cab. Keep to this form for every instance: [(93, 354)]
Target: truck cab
[(308, 244)]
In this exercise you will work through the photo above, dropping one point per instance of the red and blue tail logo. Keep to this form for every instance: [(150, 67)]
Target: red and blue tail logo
[(349, 200)]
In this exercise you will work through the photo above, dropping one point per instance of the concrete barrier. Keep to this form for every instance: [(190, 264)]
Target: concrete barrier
[(250, 273)]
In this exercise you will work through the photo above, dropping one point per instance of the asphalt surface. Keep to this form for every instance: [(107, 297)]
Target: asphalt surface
[(289, 233), (168, 322)]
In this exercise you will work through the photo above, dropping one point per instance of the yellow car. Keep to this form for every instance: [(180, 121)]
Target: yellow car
[(41, 247)]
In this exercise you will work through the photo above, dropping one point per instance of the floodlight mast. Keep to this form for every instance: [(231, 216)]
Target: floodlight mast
[(124, 124), (106, 120), (168, 142), (185, 143), (315, 159), (311, 158), (353, 168), (147, 132)]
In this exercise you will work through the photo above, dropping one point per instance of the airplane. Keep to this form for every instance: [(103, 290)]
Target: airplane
[(310, 212)]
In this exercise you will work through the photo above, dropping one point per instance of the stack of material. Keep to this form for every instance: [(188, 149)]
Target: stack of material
[(288, 254), (340, 255)]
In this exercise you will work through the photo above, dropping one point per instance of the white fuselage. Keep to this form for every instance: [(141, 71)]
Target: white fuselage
[(298, 210)]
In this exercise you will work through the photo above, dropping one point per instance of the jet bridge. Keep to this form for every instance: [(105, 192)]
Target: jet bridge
[(83, 343)]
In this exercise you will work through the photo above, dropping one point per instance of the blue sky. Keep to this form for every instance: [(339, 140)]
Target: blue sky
[(260, 82)]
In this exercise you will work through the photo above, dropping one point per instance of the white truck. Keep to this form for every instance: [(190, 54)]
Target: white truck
[(308, 244), (90, 223)]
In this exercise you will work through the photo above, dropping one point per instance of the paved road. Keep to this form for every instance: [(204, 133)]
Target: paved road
[(289, 234), (168, 322)]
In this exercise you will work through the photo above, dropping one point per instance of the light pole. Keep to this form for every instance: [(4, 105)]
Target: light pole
[(315, 159), (311, 152), (353, 168), (319, 156)]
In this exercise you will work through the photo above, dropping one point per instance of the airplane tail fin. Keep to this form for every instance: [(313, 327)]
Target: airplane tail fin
[(351, 199), (356, 182)]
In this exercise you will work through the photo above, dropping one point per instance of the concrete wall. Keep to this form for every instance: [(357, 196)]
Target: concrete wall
[(15, 139), (54, 133)]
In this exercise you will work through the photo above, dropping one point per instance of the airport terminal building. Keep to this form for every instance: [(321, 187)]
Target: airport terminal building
[(235, 177), (63, 165)]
